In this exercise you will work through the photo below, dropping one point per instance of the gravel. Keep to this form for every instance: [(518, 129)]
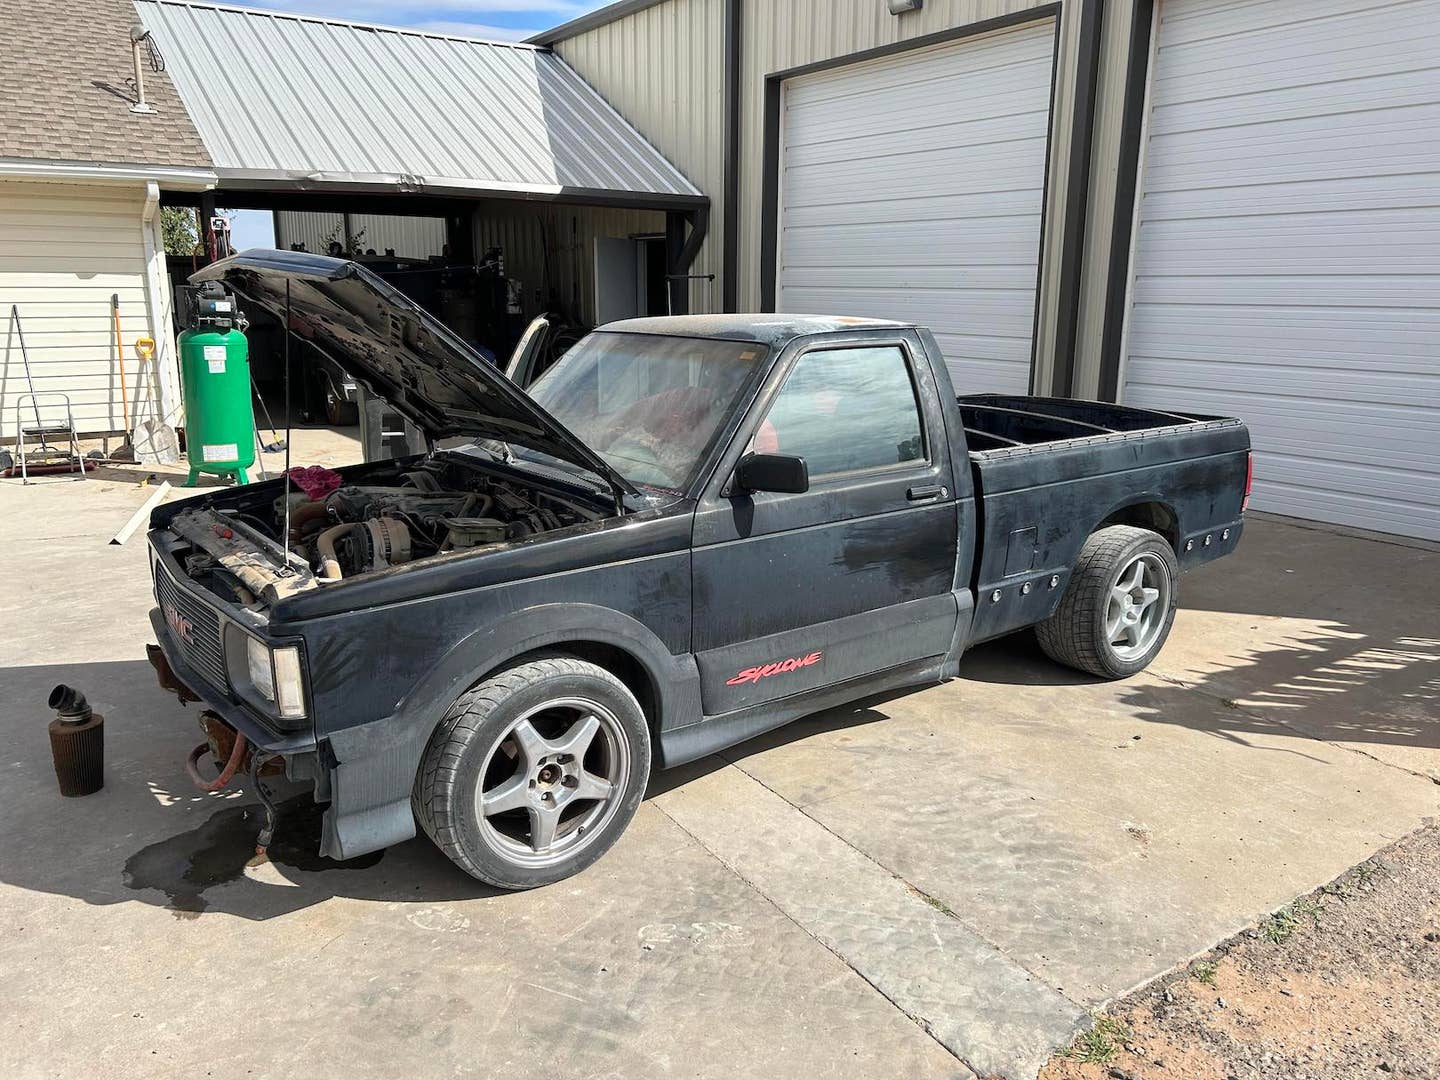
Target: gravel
[(1342, 984)]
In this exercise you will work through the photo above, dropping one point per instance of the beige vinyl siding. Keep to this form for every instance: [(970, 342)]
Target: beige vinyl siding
[(64, 250), (557, 243), (663, 69), (410, 237)]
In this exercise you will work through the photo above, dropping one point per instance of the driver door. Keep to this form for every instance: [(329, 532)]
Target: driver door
[(852, 578)]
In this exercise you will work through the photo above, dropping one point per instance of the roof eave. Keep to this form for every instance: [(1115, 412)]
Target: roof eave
[(170, 177), (379, 184)]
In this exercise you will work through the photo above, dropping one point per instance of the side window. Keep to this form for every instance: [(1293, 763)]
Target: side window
[(843, 410)]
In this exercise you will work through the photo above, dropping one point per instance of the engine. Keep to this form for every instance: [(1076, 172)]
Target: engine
[(256, 553), (358, 529)]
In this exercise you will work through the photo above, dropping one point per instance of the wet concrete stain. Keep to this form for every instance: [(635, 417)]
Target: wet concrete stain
[(184, 866)]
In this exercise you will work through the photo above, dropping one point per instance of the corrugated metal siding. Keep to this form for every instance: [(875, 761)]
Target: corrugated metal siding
[(275, 94), (409, 237), (663, 69), (1104, 176), (556, 245), (1287, 262), (64, 250), (669, 79)]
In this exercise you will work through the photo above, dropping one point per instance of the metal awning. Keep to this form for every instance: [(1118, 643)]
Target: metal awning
[(297, 103)]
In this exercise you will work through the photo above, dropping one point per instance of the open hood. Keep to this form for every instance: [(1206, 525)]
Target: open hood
[(399, 351)]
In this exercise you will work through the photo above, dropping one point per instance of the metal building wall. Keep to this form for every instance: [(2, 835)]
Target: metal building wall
[(663, 68), (551, 249), (411, 237), (1105, 173)]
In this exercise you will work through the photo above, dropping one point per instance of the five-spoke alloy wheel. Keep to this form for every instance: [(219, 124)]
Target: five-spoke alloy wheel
[(535, 772), (1118, 605)]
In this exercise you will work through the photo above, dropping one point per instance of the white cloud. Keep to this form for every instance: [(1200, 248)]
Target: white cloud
[(413, 11), (458, 28)]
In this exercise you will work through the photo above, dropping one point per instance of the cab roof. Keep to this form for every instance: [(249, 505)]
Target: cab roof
[(767, 327)]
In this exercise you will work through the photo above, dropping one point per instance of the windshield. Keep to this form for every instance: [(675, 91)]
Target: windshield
[(650, 405)]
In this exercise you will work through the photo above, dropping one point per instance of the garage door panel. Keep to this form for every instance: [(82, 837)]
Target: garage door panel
[(1253, 371), (1007, 285), (943, 170), (1198, 22), (1383, 91), (1280, 243), (1294, 46), (886, 140), (964, 127), (985, 60), (930, 207), (1401, 191), (1401, 292), (1287, 257), (1381, 438)]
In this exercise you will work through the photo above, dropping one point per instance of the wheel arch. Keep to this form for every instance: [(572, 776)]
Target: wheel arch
[(1146, 511), (666, 685)]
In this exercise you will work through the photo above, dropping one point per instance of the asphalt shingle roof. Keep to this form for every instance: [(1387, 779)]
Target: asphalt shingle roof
[(64, 94)]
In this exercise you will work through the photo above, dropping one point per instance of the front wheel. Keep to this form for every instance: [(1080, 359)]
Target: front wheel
[(534, 773), (1119, 606)]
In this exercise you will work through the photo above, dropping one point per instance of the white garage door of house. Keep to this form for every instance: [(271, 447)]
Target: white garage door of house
[(1287, 261), (911, 188)]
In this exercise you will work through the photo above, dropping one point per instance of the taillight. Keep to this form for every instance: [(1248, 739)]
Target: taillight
[(1249, 479)]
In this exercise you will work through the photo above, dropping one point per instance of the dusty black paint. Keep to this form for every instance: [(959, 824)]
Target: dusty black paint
[(888, 574)]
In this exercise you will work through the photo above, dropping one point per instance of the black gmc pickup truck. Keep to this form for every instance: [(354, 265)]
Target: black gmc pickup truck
[(688, 531)]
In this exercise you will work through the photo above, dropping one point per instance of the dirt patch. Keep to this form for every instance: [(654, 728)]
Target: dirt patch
[(1343, 983)]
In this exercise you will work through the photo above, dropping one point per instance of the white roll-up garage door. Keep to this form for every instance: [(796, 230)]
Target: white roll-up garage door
[(911, 188), (1287, 260)]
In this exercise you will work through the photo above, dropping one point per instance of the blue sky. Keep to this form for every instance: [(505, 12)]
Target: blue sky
[(506, 20)]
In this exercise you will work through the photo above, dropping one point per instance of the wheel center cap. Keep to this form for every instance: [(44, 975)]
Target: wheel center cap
[(548, 775)]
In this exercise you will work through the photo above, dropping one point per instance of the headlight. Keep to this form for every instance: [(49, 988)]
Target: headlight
[(262, 674), (273, 676)]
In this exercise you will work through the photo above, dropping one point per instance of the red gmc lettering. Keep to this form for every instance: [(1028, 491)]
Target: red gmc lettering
[(775, 667)]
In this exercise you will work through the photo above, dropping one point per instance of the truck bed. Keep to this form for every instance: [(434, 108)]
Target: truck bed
[(1002, 422), (1049, 471)]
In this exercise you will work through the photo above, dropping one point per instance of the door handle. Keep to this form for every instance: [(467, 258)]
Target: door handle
[(926, 491)]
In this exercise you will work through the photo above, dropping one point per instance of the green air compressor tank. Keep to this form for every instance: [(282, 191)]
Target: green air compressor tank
[(215, 374)]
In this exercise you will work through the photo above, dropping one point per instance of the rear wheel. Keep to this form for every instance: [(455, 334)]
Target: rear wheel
[(535, 772), (1119, 606)]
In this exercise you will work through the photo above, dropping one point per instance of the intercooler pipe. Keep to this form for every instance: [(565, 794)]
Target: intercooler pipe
[(192, 765), (325, 544)]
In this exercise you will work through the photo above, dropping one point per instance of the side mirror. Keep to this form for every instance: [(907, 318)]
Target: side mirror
[(772, 472)]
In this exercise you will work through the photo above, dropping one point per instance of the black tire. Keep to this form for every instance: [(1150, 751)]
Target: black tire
[(1076, 634), (480, 726)]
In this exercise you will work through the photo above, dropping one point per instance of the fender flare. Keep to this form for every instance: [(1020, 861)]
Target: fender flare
[(373, 766), (674, 679)]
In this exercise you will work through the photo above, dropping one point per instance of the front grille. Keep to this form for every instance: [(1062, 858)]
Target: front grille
[(199, 642)]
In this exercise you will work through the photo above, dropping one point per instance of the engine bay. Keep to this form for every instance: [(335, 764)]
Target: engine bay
[(335, 530)]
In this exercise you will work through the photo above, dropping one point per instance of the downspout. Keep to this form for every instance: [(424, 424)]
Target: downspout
[(730, 209), (680, 253), (164, 374), (1077, 199)]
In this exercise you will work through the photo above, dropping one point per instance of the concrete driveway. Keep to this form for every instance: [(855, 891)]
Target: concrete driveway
[(939, 884)]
